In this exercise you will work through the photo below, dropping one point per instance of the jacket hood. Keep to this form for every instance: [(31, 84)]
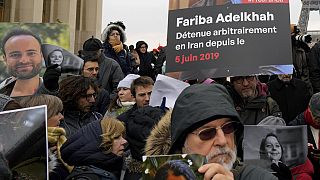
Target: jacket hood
[(108, 30), (262, 89), (197, 105), (159, 140), (142, 120), (140, 43)]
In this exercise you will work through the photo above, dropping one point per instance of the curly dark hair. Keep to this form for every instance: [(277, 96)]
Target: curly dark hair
[(174, 168), (72, 88)]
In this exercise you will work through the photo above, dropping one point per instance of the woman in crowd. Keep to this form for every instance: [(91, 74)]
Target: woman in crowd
[(124, 99), (55, 57), (145, 59), (99, 144), (114, 37), (270, 148)]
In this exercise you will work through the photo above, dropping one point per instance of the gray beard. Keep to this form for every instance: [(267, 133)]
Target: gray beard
[(229, 151), (35, 71)]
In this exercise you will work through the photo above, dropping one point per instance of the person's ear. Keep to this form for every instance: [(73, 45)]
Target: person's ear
[(5, 58)]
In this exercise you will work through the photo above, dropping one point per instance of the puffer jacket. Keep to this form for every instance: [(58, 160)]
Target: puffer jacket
[(83, 149)]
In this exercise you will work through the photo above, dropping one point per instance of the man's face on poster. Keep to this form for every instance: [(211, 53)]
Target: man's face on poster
[(23, 56)]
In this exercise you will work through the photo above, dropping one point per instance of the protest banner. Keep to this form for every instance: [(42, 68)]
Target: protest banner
[(23, 141), (239, 38)]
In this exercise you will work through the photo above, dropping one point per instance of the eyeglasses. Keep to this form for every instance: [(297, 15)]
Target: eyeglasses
[(89, 96), (240, 79), (143, 47), (210, 133), (93, 69)]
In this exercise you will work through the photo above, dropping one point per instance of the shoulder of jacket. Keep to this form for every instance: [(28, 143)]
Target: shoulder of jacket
[(7, 81)]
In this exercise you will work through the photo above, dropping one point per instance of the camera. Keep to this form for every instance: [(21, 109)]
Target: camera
[(306, 38)]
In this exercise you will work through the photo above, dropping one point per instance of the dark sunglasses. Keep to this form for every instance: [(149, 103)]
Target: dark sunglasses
[(210, 133)]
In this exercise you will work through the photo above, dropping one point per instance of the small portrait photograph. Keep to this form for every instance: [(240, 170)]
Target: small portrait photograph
[(67, 62), (55, 57), (178, 166), (24, 141), (265, 145)]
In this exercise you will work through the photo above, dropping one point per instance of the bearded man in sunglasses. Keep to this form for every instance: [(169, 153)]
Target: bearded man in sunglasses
[(204, 121)]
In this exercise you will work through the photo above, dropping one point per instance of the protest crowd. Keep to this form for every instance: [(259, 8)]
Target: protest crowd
[(103, 120)]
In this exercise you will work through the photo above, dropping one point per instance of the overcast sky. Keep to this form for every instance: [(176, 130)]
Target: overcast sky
[(147, 19)]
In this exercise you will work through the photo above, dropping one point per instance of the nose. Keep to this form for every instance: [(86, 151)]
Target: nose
[(92, 100), (220, 138), (121, 92), (24, 58), (245, 82), (123, 140), (94, 72), (61, 117), (147, 99)]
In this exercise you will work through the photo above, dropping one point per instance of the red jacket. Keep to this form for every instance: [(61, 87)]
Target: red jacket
[(303, 172)]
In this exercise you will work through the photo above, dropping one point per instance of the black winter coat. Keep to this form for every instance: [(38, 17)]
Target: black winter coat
[(292, 97), (74, 120), (314, 67), (145, 67), (141, 120), (102, 101), (123, 58), (82, 149)]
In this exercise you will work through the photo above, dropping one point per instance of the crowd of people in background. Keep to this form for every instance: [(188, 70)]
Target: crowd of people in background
[(101, 119)]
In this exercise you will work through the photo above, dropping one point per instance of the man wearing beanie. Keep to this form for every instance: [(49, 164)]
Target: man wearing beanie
[(110, 73), (311, 118), (204, 121), (113, 37)]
